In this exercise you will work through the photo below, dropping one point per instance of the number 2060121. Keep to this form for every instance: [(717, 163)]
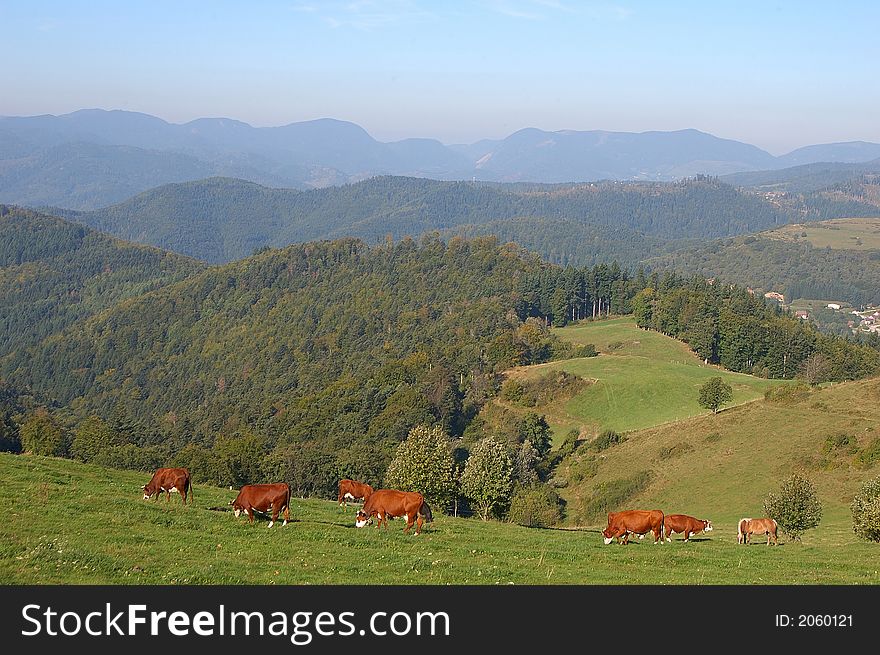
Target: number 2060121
[(815, 620)]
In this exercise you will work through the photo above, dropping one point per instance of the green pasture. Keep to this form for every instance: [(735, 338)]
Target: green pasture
[(73, 523)]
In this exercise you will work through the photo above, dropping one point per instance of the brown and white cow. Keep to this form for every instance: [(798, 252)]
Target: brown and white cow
[(685, 524), (168, 480), (262, 498), (390, 503), (634, 521), (747, 527), (353, 490)]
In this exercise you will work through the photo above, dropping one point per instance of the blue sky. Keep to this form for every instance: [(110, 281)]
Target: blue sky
[(776, 74)]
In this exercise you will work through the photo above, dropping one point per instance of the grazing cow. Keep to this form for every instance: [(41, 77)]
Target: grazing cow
[(389, 503), (352, 490), (168, 480), (635, 521), (747, 527), (686, 524), (262, 497)]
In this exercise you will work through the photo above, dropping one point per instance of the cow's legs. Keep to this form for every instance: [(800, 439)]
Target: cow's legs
[(687, 535), (250, 513), (419, 521), (286, 515), (275, 509)]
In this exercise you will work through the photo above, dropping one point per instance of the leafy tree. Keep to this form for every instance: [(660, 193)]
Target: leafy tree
[(796, 507), (534, 428), (714, 393), (91, 437), (42, 434), (487, 478), (424, 463), (524, 464), (240, 456), (535, 506), (866, 511)]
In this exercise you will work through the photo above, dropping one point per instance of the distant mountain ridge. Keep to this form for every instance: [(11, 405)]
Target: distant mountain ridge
[(93, 158)]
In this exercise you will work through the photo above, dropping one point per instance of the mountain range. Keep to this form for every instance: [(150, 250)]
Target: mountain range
[(93, 158)]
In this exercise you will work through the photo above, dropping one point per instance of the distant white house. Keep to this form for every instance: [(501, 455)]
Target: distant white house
[(773, 295), (833, 305), (802, 314)]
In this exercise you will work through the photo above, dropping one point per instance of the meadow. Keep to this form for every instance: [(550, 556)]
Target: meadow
[(73, 523), (641, 378), (837, 234)]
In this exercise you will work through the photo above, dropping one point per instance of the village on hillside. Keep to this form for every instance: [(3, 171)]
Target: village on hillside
[(866, 319)]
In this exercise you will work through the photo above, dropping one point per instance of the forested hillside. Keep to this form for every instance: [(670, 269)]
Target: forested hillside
[(795, 268), (53, 273), (220, 219)]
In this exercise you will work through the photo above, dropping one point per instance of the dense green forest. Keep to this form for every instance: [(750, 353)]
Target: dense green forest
[(53, 273), (796, 269), (726, 324), (221, 219)]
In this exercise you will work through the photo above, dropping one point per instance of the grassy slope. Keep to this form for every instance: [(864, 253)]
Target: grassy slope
[(756, 445), (72, 523), (838, 234), (646, 380)]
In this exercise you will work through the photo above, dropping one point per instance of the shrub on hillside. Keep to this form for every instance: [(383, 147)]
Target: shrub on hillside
[(537, 506), (675, 450), (42, 434), (712, 437), (606, 439), (866, 511), (796, 507), (787, 393), (870, 455)]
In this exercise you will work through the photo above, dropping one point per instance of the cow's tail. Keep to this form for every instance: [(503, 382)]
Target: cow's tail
[(192, 491), (425, 511), (663, 527)]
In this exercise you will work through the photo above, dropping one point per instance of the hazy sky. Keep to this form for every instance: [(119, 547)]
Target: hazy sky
[(776, 74)]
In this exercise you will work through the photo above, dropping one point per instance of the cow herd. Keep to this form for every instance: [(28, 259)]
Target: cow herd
[(383, 504), (641, 522), (275, 497)]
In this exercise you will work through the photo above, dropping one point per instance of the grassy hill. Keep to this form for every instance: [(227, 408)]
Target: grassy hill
[(722, 467), (74, 523), (839, 234), (641, 378)]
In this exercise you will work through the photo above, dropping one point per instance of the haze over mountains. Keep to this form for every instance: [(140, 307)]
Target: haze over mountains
[(94, 158)]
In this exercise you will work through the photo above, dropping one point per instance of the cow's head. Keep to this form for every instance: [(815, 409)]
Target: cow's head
[(608, 534), (236, 508), (149, 491), (361, 519), (708, 527)]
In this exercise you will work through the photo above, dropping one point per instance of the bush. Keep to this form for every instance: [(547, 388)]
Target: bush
[(796, 508), (712, 437), (676, 450), (870, 455), (606, 439), (41, 434), (866, 511), (787, 393), (840, 442), (512, 391), (537, 506)]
